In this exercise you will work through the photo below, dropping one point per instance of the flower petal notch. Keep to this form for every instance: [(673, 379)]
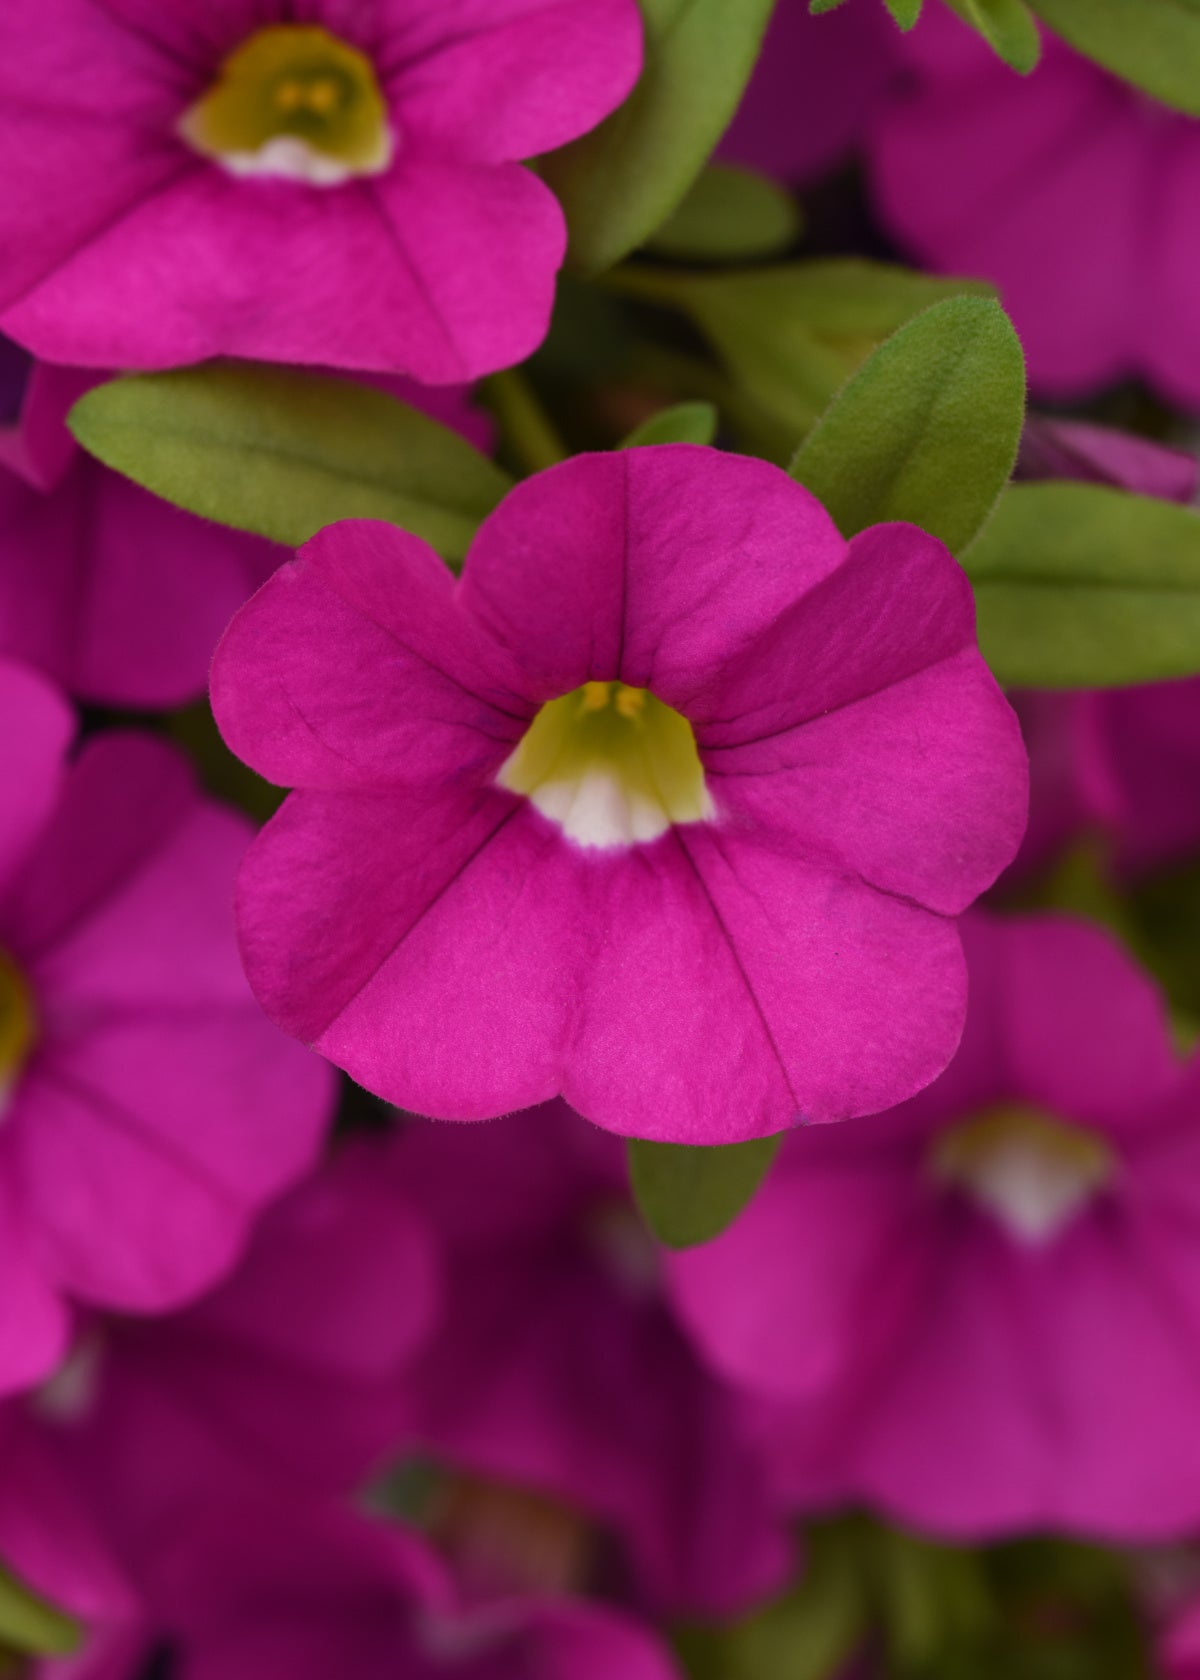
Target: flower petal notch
[(611, 765), (666, 807), (294, 101)]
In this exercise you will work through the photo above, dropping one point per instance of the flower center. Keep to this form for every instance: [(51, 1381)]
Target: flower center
[(611, 765), (1034, 1172), (17, 1025), (293, 101)]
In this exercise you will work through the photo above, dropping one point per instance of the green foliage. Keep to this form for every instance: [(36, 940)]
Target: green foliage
[(688, 1195), (29, 1624), (1153, 43), (687, 422), (281, 453), (1008, 26), (622, 181), (927, 430), (730, 215), (905, 12), (1035, 1609), (792, 334), (1081, 586)]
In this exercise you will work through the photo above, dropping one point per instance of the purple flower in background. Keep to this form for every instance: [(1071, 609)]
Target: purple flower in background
[(149, 1109), (343, 188), (119, 596), (254, 1590), (284, 1377), (557, 1367), (1068, 188), (668, 806), (816, 84), (980, 1310), (51, 1542)]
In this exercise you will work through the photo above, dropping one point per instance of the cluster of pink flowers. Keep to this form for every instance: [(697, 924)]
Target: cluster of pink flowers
[(666, 819)]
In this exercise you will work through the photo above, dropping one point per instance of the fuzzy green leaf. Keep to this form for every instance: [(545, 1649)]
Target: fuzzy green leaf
[(622, 181), (688, 1195), (905, 12), (281, 453), (730, 215), (1152, 43), (1082, 586), (791, 335), (686, 422), (1008, 26), (927, 430)]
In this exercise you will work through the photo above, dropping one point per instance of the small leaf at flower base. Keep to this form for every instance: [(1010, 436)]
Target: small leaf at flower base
[(1153, 43), (688, 422), (905, 12), (622, 181), (819, 7), (29, 1624), (928, 428), (687, 1194), (1009, 28), (791, 334), (730, 215), (281, 453), (1083, 586)]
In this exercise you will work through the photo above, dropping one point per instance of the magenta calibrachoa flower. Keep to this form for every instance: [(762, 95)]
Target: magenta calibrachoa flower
[(557, 1368), (1068, 188), (816, 84), (980, 1311), (283, 1377), (50, 1541), (276, 1591), (148, 1109), (667, 806), (115, 594), (333, 183)]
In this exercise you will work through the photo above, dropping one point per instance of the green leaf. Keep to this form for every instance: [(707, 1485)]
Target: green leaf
[(812, 1633), (281, 453), (1008, 26), (621, 182), (1154, 43), (730, 215), (819, 7), (28, 1623), (686, 422), (792, 334), (927, 430), (688, 1195), (1082, 586), (905, 12)]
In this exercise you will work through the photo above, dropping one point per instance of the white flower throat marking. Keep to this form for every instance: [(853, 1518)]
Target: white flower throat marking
[(294, 102), (611, 765), (1035, 1173)]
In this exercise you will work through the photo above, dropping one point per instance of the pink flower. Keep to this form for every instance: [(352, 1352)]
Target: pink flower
[(980, 1311), (274, 1590), (1068, 188), (51, 1542), (816, 83), (667, 806), (340, 186), (558, 1369), (285, 1376), (115, 594), (1179, 1646), (148, 1109)]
